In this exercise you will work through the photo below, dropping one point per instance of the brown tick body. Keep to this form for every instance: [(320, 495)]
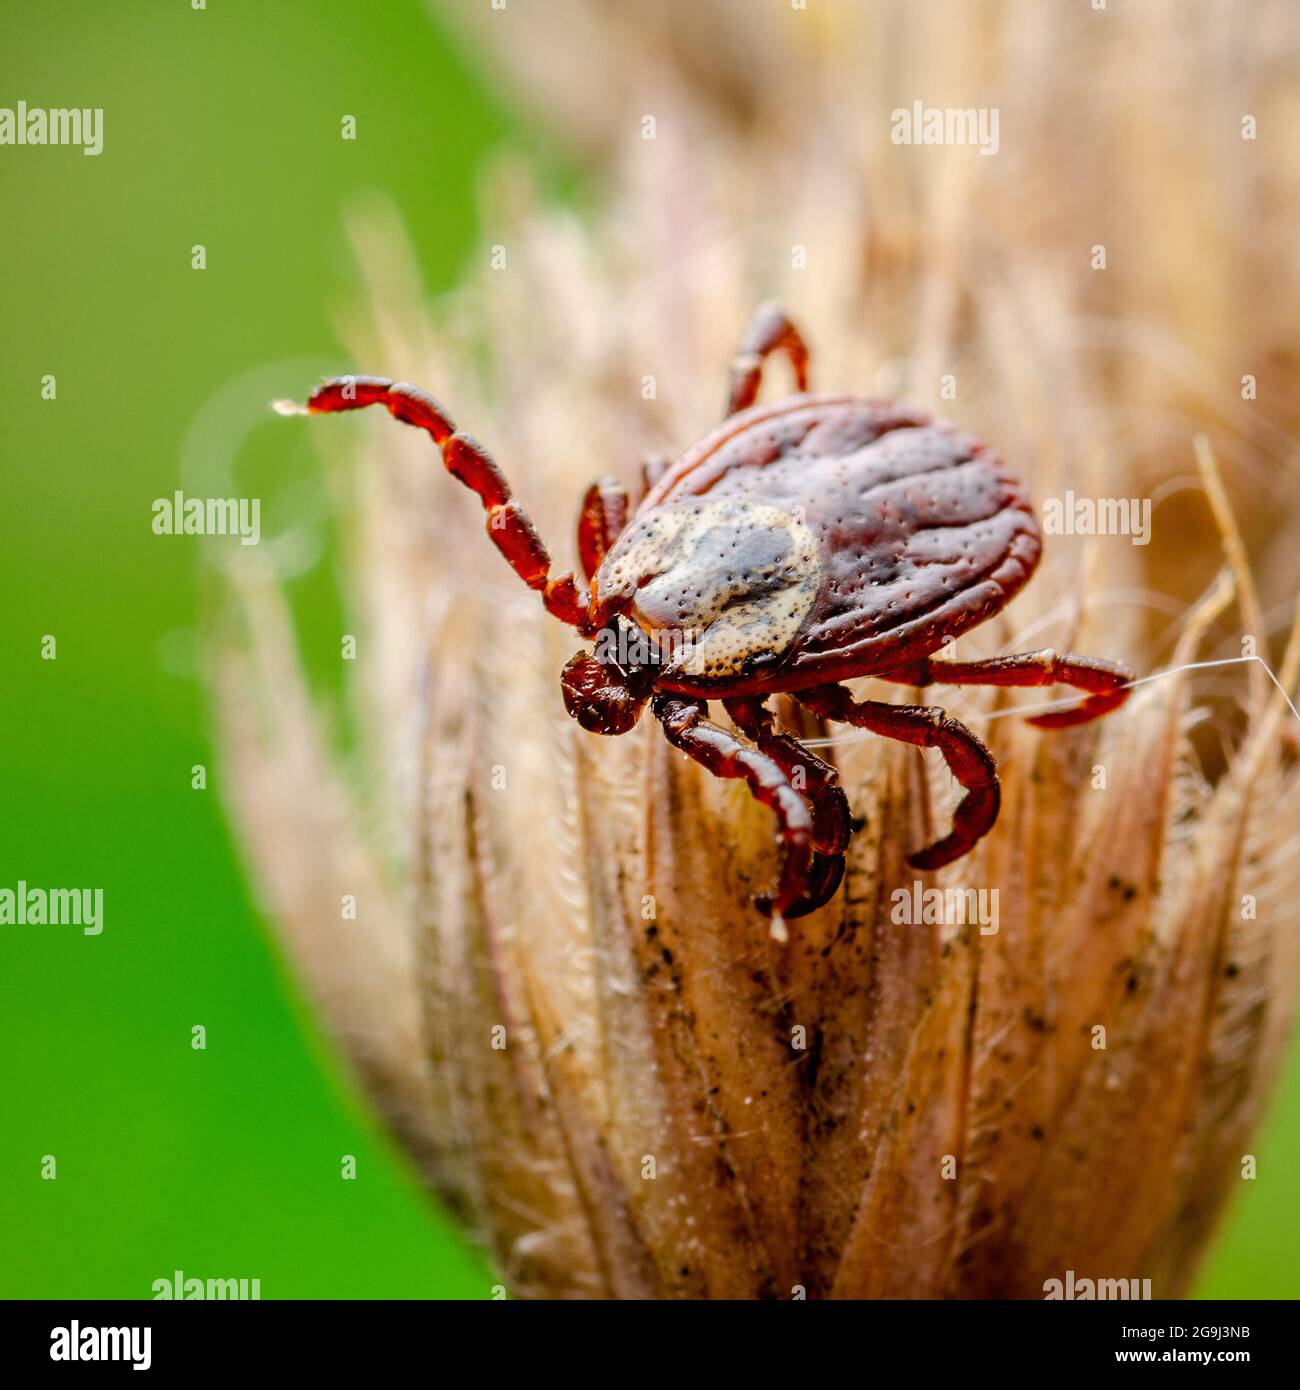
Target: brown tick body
[(819, 539)]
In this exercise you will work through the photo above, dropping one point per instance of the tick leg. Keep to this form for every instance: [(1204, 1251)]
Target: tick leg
[(1107, 682), (603, 517), (967, 758), (509, 527), (686, 727), (818, 780), (820, 784), (769, 331), (653, 467)]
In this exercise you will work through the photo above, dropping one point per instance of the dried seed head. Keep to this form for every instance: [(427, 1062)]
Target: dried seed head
[(1048, 1056)]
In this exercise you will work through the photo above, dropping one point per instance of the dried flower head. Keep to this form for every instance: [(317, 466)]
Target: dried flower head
[(1049, 1055)]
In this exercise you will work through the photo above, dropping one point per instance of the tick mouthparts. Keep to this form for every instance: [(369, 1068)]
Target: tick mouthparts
[(287, 407)]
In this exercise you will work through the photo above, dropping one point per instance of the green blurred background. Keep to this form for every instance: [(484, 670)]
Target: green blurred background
[(222, 127)]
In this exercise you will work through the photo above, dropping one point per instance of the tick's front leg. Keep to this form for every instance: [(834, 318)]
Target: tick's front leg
[(602, 519), (509, 527), (769, 331), (653, 467), (686, 727), (969, 761), (1106, 682)]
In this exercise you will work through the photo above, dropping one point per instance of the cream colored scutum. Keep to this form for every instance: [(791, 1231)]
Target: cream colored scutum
[(714, 582)]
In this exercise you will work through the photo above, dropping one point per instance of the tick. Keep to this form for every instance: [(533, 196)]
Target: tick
[(818, 539)]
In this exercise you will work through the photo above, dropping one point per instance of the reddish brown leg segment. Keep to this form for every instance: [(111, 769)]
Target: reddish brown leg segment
[(967, 758), (818, 780), (769, 331), (1107, 682), (603, 517), (686, 727), (652, 469), (820, 784), (508, 525)]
